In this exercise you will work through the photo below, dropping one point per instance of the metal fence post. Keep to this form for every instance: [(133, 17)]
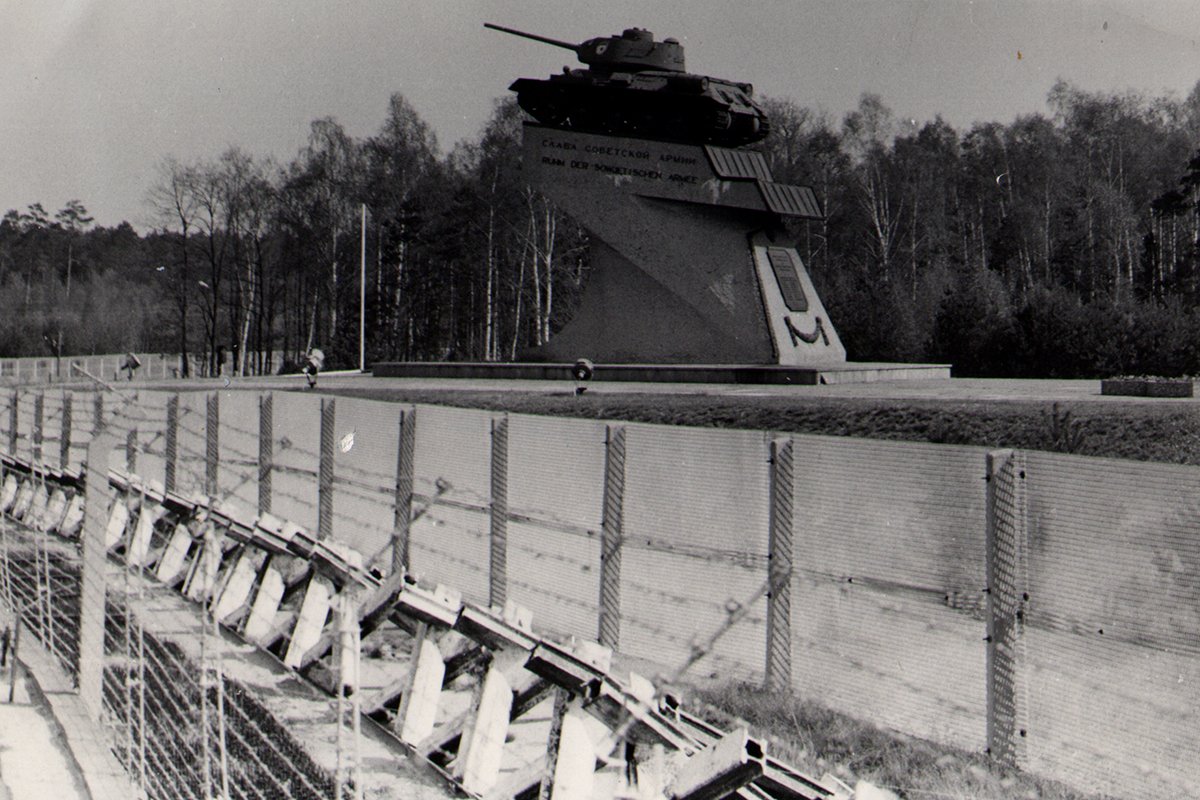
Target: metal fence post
[(13, 420), (212, 440), (779, 568), (325, 474), (402, 518), (612, 535), (266, 450), (498, 550), (39, 410), (64, 436), (131, 446), (1007, 596), (171, 443)]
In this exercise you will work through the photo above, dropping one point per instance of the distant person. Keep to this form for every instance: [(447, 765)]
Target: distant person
[(130, 365), (314, 359)]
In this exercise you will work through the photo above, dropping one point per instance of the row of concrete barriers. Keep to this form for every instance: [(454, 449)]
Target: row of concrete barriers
[(278, 586)]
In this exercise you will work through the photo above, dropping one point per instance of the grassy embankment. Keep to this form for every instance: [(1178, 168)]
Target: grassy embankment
[(1168, 432)]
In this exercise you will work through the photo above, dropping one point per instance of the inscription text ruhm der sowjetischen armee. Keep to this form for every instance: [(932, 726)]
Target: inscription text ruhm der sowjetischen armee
[(644, 172)]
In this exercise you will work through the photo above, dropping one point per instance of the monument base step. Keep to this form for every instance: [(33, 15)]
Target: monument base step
[(847, 372)]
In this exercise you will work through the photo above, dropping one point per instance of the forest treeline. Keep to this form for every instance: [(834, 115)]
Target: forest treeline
[(1062, 244)]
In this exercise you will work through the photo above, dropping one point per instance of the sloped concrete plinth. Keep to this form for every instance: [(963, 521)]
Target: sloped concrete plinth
[(690, 262)]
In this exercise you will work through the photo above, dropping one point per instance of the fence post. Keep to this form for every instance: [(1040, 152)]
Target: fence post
[(611, 536), (97, 497), (1007, 580), (212, 440), (266, 450), (39, 410), (13, 420), (402, 518), (325, 474), (131, 445), (498, 551), (64, 436), (779, 568), (97, 413), (171, 443)]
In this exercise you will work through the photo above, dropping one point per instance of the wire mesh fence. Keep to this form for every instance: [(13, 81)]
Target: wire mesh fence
[(112, 367), (856, 570), (1113, 613)]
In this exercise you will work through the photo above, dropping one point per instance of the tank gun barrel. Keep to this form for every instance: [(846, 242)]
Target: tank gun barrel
[(534, 36)]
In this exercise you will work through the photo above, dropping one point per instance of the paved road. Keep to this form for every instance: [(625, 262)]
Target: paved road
[(955, 389), (951, 390)]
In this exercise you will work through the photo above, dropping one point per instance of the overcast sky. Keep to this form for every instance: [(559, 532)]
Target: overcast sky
[(94, 93)]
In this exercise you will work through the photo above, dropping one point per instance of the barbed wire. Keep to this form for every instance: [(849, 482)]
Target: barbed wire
[(686, 550), (471, 566), (544, 591)]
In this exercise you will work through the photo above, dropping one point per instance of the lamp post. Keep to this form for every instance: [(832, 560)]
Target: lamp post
[(362, 295)]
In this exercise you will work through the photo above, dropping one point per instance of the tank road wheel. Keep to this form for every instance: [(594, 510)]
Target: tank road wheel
[(748, 128), (764, 126)]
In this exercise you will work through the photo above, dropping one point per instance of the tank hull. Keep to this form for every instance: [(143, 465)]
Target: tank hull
[(678, 107)]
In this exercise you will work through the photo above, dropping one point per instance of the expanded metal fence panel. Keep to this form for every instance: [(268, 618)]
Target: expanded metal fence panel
[(556, 470), (367, 435), (1112, 717), (887, 613), (671, 603), (453, 447), (452, 466), (81, 428), (449, 545), (697, 488), (1114, 623), (695, 544), (6, 424), (555, 505), (191, 443), (24, 401), (52, 409), (897, 512), (237, 474), (297, 434), (555, 573), (152, 435), (896, 659), (120, 410)]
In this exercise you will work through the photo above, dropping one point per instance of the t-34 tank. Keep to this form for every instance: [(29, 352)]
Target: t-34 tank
[(635, 86)]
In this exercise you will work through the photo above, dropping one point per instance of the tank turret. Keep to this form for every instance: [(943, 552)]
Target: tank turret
[(633, 51), (636, 86)]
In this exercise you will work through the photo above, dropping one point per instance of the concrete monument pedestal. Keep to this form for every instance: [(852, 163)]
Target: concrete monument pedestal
[(689, 259), (692, 274)]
